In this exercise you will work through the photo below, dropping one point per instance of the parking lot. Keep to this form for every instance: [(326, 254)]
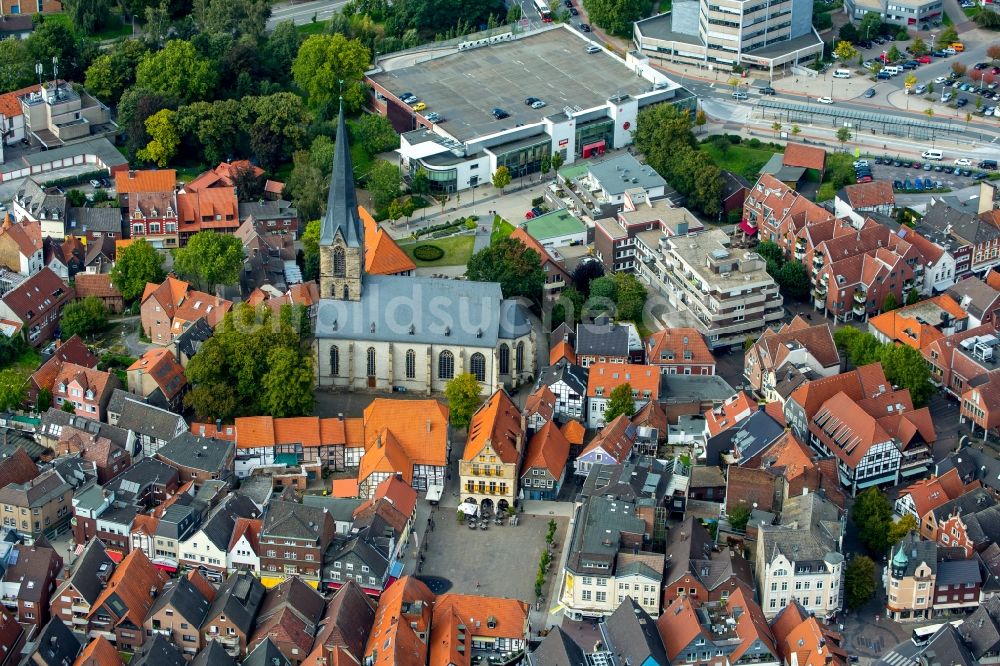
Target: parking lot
[(938, 172)]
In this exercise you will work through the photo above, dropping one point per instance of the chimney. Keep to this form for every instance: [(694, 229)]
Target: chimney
[(986, 193), (131, 174), (428, 425)]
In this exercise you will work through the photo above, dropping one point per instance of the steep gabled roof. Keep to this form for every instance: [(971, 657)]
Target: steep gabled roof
[(382, 255), (547, 449), (678, 626), (498, 424), (615, 439), (128, 590)]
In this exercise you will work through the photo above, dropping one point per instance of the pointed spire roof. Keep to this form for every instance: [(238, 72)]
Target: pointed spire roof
[(342, 200)]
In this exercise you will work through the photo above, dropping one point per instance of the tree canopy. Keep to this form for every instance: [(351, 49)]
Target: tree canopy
[(859, 581), (178, 72), (516, 267), (872, 513), (619, 402), (463, 397), (903, 365), (13, 388), (257, 362), (210, 259), (323, 63), (616, 16), (137, 263), (83, 318)]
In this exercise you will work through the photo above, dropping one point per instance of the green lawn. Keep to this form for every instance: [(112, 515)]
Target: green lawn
[(501, 229), (28, 362), (739, 159), (457, 250), (116, 32), (309, 29)]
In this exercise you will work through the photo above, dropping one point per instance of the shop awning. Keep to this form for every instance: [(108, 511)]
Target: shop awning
[(876, 481), (747, 229)]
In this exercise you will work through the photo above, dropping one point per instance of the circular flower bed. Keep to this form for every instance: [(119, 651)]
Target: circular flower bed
[(428, 252)]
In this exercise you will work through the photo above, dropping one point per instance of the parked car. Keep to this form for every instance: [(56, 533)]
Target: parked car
[(584, 27), (945, 98), (95, 183), (433, 117), (574, 11), (537, 104), (825, 100), (528, 101), (918, 165), (920, 89), (739, 95), (868, 94), (924, 59), (593, 49), (767, 90), (897, 184), (962, 102), (500, 114)]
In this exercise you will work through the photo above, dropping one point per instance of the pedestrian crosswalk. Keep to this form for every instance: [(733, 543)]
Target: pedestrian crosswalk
[(896, 659)]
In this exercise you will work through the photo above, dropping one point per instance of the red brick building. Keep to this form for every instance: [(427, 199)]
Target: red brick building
[(149, 201), (680, 351), (34, 307)]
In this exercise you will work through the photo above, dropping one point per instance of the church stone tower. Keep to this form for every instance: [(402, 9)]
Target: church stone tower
[(342, 233)]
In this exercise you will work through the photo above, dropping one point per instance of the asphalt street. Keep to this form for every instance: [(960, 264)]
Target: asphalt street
[(303, 12)]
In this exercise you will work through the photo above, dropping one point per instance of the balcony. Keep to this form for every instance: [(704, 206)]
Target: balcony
[(907, 285), (859, 309), (860, 297), (818, 259)]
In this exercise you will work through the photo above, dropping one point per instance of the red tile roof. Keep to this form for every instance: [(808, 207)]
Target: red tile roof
[(17, 468), (496, 424), (615, 440), (807, 157), (211, 208), (574, 431), (382, 255), (751, 625), (547, 449), (72, 351), (929, 494), (38, 294), (88, 378), (404, 609), (678, 344), (562, 350), (608, 376), (99, 652), (145, 180), (95, 284), (541, 402), (678, 626), (162, 366), (10, 103), (131, 582), (733, 410), (870, 195)]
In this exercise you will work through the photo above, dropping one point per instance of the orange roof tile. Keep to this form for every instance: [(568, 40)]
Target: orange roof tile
[(226, 432), (385, 454), (608, 376), (776, 412), (211, 208), (145, 180), (751, 625), (541, 402), (382, 255), (733, 410), (249, 528), (254, 431), (807, 157), (917, 325), (10, 103), (131, 583), (678, 626), (98, 652), (678, 346), (398, 494), (869, 195), (574, 431), (614, 439), (547, 449), (496, 424), (509, 616), (74, 351), (88, 378), (344, 488), (562, 350), (229, 170), (420, 427), (404, 609), (162, 366), (929, 494)]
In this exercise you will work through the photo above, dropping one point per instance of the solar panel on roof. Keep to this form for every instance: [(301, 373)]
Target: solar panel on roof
[(242, 588)]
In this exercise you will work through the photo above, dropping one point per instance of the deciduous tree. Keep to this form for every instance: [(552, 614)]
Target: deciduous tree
[(859, 581), (509, 262), (616, 16), (323, 63), (846, 52), (463, 396), (177, 72), (630, 296), (233, 17), (872, 514), (739, 516), (905, 367), (111, 73), (620, 402), (83, 318), (164, 138), (794, 279), (901, 528), (13, 388), (288, 383), (375, 133), (383, 182), (307, 186), (210, 259), (137, 264), (501, 178)]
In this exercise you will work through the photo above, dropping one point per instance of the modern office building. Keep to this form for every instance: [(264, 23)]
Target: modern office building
[(917, 13), (478, 91), (759, 34)]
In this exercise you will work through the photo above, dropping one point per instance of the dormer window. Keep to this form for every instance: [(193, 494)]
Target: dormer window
[(89, 395), (62, 387)]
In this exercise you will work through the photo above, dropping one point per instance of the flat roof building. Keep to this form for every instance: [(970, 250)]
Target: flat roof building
[(899, 12), (558, 228), (591, 104), (725, 33)]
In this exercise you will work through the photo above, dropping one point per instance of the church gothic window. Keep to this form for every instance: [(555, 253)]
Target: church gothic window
[(335, 361), (519, 359), (446, 365), (411, 364), (339, 263), (477, 364), (345, 292), (504, 359), (371, 361)]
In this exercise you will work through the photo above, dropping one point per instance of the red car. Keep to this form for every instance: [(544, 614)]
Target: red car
[(529, 215), (924, 59), (865, 179)]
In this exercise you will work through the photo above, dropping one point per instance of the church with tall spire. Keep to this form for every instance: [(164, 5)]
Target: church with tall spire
[(342, 232), (398, 331)]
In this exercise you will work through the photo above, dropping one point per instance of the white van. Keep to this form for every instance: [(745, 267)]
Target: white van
[(892, 70), (842, 74), (931, 155)]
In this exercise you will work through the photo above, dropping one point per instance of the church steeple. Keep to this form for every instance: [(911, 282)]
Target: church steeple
[(342, 200), (342, 232)]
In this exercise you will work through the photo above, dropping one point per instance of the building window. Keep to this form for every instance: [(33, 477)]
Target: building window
[(519, 358), (334, 361), (477, 364), (339, 263), (371, 361), (504, 359), (446, 365), (411, 364)]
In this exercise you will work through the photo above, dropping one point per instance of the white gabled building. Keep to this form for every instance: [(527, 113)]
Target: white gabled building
[(568, 383)]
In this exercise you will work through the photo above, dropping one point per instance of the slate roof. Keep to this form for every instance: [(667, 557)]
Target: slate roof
[(56, 645), (810, 530), (347, 621), (202, 453), (266, 654), (745, 440), (574, 376), (213, 654), (93, 564), (952, 572), (219, 528), (342, 201), (690, 552), (238, 599), (557, 649), (631, 634), (293, 520), (981, 629), (946, 647), (974, 296), (104, 220), (961, 224), (341, 508), (185, 599), (189, 342), (917, 551), (158, 651), (150, 421), (601, 339), (118, 398)]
